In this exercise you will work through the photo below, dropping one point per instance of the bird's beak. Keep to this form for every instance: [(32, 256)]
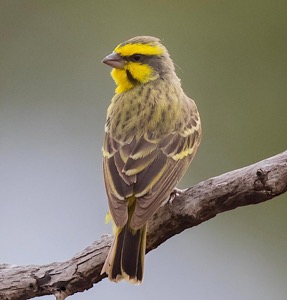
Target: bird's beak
[(114, 60)]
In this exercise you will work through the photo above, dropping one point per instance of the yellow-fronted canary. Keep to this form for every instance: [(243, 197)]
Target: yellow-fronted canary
[(152, 133)]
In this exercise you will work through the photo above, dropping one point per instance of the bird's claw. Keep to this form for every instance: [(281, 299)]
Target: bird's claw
[(175, 193)]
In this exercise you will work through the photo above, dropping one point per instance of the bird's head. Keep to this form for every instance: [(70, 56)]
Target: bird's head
[(138, 61)]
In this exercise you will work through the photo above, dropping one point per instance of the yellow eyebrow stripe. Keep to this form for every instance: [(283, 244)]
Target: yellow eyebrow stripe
[(145, 49)]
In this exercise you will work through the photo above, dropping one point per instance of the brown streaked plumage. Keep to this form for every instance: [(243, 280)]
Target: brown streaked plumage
[(152, 133)]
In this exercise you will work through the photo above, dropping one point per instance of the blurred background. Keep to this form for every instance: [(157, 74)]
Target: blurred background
[(54, 92)]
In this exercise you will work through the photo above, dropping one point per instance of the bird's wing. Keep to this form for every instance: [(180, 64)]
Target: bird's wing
[(148, 168), (155, 184)]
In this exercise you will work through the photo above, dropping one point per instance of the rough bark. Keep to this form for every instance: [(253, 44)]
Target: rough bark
[(250, 185)]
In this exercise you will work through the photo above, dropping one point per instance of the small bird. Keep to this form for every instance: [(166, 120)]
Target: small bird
[(152, 133)]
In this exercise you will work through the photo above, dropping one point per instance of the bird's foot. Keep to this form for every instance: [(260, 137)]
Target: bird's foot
[(175, 193)]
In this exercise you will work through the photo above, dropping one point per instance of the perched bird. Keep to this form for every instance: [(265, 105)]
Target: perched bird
[(152, 133)]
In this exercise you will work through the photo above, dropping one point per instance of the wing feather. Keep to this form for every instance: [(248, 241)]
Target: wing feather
[(134, 166), (118, 207), (150, 202), (150, 175), (120, 165)]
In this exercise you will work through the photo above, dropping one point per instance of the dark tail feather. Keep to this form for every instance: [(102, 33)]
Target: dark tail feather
[(133, 253), (126, 256), (116, 267), (141, 257)]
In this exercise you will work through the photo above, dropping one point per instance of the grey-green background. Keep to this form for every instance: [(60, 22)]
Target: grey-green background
[(232, 59)]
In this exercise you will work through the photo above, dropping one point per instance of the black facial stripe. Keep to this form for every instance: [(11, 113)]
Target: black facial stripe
[(144, 58), (154, 61), (131, 78)]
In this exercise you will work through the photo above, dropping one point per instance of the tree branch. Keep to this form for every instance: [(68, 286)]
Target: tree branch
[(250, 185)]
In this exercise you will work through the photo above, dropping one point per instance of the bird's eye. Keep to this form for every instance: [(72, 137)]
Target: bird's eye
[(136, 57)]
